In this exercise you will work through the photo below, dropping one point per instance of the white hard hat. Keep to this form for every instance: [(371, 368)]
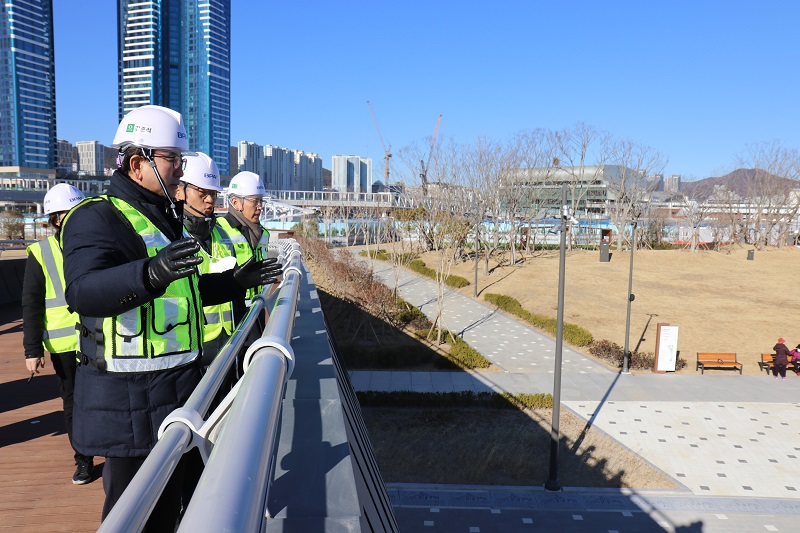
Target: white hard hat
[(61, 197), (246, 184), (202, 172), (152, 126)]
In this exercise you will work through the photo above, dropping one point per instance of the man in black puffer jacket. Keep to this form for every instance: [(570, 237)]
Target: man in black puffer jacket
[(132, 278)]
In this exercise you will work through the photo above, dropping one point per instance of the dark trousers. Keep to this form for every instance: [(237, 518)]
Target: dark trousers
[(117, 475), (779, 369), (64, 364)]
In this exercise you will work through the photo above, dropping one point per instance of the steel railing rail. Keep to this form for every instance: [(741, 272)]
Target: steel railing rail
[(237, 475), (132, 510)]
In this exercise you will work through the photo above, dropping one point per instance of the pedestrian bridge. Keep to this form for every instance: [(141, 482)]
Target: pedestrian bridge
[(320, 199)]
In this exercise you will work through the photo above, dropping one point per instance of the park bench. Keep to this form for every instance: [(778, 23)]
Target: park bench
[(717, 360), (768, 361)]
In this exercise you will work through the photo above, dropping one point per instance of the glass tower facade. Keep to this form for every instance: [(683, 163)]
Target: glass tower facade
[(27, 84), (176, 53)]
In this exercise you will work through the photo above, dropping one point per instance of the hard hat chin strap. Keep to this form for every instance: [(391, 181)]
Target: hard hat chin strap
[(161, 182)]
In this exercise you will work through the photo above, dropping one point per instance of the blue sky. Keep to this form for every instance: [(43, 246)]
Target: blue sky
[(698, 80)]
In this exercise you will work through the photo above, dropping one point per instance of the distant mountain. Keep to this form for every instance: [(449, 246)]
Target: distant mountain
[(742, 181), (326, 178)]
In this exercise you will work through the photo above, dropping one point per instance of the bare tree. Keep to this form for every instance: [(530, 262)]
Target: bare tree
[(481, 165), (772, 181), (523, 179), (695, 213), (628, 183), (404, 248), (581, 152), (727, 217)]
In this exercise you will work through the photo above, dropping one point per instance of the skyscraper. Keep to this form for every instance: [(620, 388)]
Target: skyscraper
[(27, 83), (351, 173), (176, 53), (251, 158)]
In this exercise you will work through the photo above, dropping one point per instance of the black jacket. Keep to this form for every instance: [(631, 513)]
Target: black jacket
[(34, 288), (105, 269), (782, 354), (33, 309)]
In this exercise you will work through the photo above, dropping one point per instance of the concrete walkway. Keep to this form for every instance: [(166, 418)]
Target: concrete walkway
[(718, 434)]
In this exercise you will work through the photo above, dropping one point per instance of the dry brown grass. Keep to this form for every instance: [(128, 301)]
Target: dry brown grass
[(499, 447), (483, 446), (720, 301)]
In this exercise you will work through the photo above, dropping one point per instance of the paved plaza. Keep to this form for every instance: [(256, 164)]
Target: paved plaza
[(730, 442)]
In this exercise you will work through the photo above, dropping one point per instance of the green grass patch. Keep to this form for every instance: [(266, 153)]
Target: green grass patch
[(492, 400), (573, 334)]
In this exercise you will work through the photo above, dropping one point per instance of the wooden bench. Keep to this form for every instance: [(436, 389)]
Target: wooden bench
[(717, 360), (768, 361)]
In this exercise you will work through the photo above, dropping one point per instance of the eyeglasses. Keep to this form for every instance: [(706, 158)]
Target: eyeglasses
[(175, 160), (203, 193), (257, 200)]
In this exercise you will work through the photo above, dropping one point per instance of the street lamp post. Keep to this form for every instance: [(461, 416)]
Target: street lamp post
[(626, 358), (477, 249), (552, 482)]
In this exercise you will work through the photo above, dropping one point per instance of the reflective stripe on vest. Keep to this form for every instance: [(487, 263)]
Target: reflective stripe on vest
[(244, 251), (217, 317), (162, 334), (59, 323)]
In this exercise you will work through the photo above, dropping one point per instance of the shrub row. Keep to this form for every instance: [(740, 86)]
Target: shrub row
[(614, 354), (383, 255), (455, 399), (573, 333), (418, 266), (461, 354), (407, 314)]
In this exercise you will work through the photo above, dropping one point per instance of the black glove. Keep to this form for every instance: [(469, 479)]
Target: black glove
[(254, 273), (175, 261)]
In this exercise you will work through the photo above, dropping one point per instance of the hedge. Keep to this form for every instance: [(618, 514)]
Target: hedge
[(573, 333), (461, 354), (418, 266), (493, 400)]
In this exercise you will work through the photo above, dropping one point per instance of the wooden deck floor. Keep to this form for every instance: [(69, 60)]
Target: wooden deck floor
[(36, 463)]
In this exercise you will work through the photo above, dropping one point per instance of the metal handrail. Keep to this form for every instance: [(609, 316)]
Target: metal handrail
[(237, 475), (186, 428)]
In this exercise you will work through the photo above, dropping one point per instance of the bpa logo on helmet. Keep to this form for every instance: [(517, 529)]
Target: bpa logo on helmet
[(181, 135)]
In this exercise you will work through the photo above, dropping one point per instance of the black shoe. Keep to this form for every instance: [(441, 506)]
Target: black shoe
[(83, 474)]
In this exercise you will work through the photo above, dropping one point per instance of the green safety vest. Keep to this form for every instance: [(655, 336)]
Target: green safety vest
[(243, 251), (162, 334), (59, 322), (219, 317)]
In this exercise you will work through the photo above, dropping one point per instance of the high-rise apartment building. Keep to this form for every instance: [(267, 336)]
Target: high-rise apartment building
[(351, 173), (63, 158), (176, 53), (278, 168), (672, 183), (27, 84), (251, 158), (307, 171), (91, 158)]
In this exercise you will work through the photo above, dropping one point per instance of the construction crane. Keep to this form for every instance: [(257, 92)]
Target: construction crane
[(423, 174), (386, 151)]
